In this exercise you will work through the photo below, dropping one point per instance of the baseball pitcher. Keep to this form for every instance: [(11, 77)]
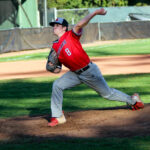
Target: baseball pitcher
[(67, 50)]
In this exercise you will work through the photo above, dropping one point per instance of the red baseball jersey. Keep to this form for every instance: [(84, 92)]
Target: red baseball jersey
[(70, 52)]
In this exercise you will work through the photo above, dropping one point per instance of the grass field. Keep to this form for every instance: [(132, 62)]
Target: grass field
[(135, 47), (32, 97), (136, 143)]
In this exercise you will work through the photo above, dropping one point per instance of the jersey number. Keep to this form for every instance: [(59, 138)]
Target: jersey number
[(68, 52)]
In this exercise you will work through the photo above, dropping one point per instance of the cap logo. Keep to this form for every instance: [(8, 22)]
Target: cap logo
[(57, 19)]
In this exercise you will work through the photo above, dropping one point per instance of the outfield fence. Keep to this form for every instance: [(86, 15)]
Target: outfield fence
[(34, 38)]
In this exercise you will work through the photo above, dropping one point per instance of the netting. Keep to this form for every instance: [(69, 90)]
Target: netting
[(35, 38), (23, 39), (125, 30)]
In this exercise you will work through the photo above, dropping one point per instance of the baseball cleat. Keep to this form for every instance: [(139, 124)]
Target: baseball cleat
[(57, 121), (139, 104)]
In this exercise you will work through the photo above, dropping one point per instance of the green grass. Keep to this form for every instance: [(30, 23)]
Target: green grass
[(34, 143), (136, 47), (34, 56), (32, 96)]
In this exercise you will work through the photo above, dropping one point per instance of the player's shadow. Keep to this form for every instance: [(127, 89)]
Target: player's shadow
[(34, 97)]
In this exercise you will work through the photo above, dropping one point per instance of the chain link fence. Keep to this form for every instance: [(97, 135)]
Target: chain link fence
[(72, 15)]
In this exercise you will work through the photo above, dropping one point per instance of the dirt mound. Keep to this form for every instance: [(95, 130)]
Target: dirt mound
[(108, 122)]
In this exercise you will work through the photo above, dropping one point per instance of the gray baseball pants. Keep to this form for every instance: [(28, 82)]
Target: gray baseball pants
[(91, 77)]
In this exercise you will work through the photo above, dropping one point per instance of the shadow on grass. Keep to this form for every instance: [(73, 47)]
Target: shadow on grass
[(66, 143), (20, 94), (27, 97)]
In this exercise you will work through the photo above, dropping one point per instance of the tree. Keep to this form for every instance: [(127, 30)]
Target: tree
[(64, 4), (69, 4), (138, 2), (117, 3)]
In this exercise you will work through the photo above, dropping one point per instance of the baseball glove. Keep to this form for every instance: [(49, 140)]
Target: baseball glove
[(53, 64)]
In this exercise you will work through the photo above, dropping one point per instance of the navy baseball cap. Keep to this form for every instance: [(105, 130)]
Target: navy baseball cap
[(59, 21)]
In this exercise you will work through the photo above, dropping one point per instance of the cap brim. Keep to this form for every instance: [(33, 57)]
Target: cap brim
[(53, 23)]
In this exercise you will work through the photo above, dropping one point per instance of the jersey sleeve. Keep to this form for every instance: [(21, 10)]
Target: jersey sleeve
[(76, 35)]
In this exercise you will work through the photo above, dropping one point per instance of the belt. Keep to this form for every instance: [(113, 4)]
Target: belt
[(83, 69)]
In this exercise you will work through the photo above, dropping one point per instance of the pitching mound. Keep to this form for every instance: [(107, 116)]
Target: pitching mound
[(110, 122)]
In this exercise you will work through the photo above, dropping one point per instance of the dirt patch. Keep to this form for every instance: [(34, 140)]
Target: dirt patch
[(108, 65), (109, 122)]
